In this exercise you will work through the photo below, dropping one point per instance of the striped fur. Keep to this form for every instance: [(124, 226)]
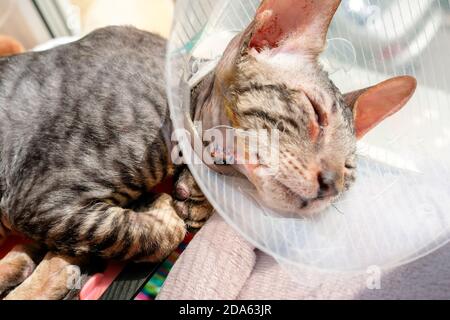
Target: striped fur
[(291, 93), (316, 129), (85, 132)]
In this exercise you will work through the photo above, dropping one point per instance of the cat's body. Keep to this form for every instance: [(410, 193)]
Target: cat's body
[(85, 132), (84, 127), (85, 135)]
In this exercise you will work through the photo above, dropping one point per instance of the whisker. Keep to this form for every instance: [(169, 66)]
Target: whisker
[(337, 209)]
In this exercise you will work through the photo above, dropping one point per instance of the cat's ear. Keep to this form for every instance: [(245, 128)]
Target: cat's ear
[(372, 105), (293, 25)]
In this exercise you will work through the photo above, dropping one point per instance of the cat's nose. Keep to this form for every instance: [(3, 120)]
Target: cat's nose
[(328, 184)]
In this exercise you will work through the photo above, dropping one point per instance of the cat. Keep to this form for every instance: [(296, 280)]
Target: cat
[(85, 132)]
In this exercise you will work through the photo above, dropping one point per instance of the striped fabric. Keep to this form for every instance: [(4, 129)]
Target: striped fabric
[(153, 287)]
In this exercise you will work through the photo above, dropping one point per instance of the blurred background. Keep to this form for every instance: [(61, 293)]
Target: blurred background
[(401, 30), (34, 22)]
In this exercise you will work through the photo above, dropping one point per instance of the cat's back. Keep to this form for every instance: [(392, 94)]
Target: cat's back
[(122, 54), (113, 67), (104, 94)]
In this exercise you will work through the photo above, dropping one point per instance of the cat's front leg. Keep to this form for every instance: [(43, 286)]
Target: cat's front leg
[(190, 202)]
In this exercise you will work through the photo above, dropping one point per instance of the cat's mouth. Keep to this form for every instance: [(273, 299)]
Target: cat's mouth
[(282, 198), (303, 205), (302, 202), (306, 200)]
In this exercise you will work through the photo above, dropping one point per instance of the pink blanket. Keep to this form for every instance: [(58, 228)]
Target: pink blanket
[(219, 264)]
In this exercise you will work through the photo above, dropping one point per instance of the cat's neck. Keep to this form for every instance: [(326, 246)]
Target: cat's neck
[(207, 105), (208, 112), (206, 108)]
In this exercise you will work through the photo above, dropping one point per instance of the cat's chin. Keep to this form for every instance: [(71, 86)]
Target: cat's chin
[(313, 208)]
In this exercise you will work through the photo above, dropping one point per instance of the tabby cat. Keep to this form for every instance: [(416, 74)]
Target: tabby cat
[(85, 133)]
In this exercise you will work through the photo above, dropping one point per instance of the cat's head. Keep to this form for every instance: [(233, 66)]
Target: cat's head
[(270, 77)]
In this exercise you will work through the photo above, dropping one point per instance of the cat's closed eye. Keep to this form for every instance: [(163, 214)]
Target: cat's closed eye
[(350, 165), (320, 114)]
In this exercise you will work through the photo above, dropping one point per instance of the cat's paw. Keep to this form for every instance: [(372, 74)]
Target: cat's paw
[(53, 279), (25, 276), (16, 267), (170, 231), (195, 213), (190, 203)]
